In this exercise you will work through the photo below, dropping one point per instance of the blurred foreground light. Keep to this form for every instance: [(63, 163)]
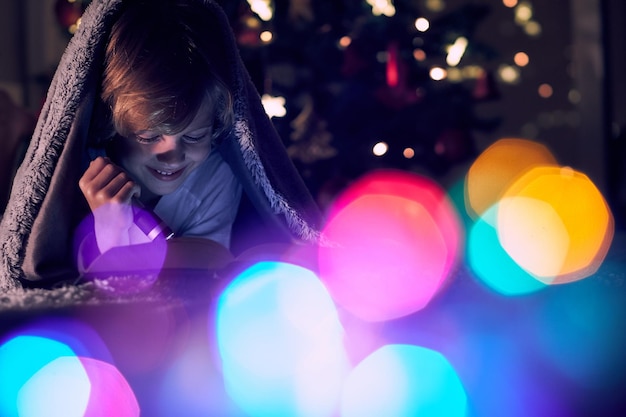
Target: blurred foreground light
[(398, 237), (280, 342), (555, 224), (44, 377), (403, 380), (492, 264), (21, 360), (497, 167)]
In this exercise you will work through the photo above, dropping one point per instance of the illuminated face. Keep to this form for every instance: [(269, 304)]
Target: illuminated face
[(160, 163)]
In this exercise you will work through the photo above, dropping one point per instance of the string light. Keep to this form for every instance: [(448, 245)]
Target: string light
[(456, 51), (345, 41), (422, 24), (262, 8), (384, 7), (509, 74), (438, 73), (521, 59), (274, 106), (266, 36), (380, 148), (545, 90)]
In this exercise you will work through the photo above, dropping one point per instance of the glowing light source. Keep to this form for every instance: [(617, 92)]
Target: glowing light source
[(136, 266), (509, 74), (455, 75), (392, 70), (266, 36), (111, 394), (456, 51), (491, 264), (396, 268), (435, 5), (262, 8), (274, 106), (509, 3), (521, 59), (345, 41), (545, 90), (45, 373), (408, 153), (21, 358), (532, 28), (523, 12), (497, 167), (59, 388), (380, 148), (382, 7), (555, 224), (419, 54), (280, 342), (437, 73), (404, 380), (422, 24)]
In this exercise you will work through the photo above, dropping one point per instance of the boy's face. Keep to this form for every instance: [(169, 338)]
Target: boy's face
[(160, 163)]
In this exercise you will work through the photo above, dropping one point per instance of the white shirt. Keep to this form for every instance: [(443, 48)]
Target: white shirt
[(206, 204)]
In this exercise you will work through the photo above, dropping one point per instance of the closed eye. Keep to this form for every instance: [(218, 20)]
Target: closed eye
[(193, 139), (197, 137), (146, 140)]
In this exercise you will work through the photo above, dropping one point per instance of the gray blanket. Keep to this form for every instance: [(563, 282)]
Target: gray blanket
[(46, 204)]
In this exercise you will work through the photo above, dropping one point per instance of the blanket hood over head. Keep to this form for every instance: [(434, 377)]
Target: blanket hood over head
[(36, 233)]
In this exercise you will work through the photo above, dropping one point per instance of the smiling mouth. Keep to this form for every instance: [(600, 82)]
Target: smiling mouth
[(167, 175)]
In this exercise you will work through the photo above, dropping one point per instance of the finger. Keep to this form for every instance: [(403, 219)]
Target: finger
[(129, 191), (92, 171), (98, 174), (113, 189), (107, 174)]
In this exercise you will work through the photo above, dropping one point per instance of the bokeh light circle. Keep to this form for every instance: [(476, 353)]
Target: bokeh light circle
[(398, 237), (497, 167), (60, 368), (280, 342), (491, 264), (404, 381), (555, 223)]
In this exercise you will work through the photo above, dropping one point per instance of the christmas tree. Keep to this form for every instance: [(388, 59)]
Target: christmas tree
[(356, 85)]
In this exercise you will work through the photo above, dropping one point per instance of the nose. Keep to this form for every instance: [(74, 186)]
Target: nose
[(169, 150)]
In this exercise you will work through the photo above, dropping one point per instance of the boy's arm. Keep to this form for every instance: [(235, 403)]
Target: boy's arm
[(109, 192)]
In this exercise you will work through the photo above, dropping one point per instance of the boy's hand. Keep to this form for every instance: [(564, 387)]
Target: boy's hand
[(105, 183), (109, 192)]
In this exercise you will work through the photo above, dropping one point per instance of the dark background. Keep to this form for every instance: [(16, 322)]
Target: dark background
[(339, 104)]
